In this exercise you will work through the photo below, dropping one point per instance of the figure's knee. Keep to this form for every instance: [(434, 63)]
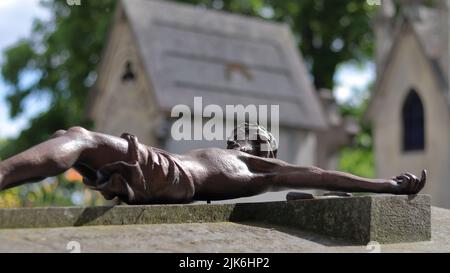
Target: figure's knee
[(58, 133), (78, 130)]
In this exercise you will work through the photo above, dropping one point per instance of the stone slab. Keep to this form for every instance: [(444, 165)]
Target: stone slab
[(221, 237), (381, 218)]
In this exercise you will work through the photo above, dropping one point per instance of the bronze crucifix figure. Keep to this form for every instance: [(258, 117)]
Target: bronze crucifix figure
[(138, 174)]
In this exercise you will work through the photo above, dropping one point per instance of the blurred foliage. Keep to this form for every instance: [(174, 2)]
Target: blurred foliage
[(358, 159), (56, 191), (64, 51), (3, 142)]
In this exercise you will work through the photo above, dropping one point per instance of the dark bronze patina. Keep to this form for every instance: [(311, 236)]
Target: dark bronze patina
[(138, 174)]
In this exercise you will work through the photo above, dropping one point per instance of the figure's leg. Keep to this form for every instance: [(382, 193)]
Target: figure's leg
[(86, 151)]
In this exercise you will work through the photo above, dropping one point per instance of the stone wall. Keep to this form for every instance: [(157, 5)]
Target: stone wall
[(124, 106)]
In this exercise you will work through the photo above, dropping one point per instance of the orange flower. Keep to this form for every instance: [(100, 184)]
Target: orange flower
[(73, 176)]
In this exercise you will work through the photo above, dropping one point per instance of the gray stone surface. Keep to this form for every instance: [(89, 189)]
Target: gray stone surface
[(382, 218), (207, 237), (400, 219), (113, 215)]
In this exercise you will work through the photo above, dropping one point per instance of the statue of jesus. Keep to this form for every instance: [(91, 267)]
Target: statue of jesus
[(137, 174)]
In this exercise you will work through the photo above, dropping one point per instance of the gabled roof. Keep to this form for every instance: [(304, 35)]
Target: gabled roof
[(188, 51), (405, 27), (427, 27)]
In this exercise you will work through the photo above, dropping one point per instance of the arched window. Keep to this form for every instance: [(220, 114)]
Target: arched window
[(413, 123)]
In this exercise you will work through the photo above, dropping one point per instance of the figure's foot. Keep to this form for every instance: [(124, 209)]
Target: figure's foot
[(408, 183)]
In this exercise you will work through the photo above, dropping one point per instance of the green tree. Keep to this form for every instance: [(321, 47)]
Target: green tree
[(63, 52)]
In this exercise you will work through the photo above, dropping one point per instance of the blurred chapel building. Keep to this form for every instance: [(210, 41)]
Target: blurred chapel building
[(410, 107), (161, 54)]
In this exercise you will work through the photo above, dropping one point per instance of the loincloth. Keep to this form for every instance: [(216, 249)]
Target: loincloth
[(158, 178)]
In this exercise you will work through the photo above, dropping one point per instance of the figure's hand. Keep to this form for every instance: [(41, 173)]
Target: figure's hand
[(408, 183)]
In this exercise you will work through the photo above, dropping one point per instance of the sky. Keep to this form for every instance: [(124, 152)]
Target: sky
[(352, 82), (16, 20)]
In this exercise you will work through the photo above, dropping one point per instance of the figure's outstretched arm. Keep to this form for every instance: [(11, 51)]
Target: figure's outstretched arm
[(79, 148), (283, 175), (339, 181)]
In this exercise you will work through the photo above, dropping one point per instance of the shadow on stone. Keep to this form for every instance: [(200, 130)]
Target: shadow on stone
[(336, 217), (91, 214), (306, 235)]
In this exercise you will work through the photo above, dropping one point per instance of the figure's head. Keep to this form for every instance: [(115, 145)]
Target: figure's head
[(253, 139)]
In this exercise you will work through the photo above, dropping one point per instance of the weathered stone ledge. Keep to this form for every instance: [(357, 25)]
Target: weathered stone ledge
[(382, 218)]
